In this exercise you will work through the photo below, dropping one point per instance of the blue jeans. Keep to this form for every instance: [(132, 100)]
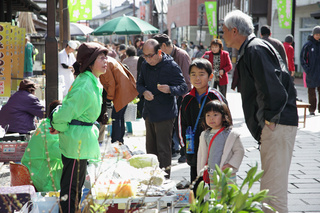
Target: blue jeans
[(118, 125)]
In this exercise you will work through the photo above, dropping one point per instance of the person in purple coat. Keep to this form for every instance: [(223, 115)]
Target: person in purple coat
[(21, 109)]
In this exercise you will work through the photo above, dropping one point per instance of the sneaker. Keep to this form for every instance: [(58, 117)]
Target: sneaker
[(312, 113), (182, 159)]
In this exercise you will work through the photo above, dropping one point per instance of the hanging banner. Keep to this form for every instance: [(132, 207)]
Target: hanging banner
[(285, 13), (5, 61), (211, 10), (80, 10)]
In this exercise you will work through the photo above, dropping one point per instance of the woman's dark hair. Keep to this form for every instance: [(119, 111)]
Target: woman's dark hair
[(217, 106), (131, 51), (136, 41), (217, 41), (201, 63), (53, 105)]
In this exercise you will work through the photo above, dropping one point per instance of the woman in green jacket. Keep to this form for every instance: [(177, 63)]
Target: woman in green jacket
[(74, 122)]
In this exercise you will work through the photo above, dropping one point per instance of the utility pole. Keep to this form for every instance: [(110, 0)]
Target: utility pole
[(51, 46), (293, 17), (134, 8)]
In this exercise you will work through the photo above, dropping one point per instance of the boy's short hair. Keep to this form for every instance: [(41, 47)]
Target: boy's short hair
[(201, 63)]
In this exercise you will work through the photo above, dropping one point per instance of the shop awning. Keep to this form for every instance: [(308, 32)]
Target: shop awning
[(21, 5)]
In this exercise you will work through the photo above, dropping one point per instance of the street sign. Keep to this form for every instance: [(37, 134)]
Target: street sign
[(201, 21), (202, 8)]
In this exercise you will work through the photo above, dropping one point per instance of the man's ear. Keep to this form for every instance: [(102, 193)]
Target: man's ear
[(159, 52)]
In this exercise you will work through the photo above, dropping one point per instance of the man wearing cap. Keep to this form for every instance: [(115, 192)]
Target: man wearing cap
[(28, 63), (309, 59), (182, 58), (265, 33), (160, 81), (21, 109), (65, 69)]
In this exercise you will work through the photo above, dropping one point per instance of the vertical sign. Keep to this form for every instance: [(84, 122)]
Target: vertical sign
[(211, 10), (14, 48), (80, 10), (21, 47), (285, 13), (5, 60)]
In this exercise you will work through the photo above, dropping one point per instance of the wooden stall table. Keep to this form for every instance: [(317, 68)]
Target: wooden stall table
[(304, 106)]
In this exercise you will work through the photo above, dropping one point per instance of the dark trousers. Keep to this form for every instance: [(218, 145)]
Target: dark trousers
[(118, 125), (193, 176), (222, 88), (159, 141), (72, 179), (313, 99)]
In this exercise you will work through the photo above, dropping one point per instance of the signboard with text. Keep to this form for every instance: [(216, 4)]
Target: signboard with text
[(211, 10), (5, 60), (285, 13)]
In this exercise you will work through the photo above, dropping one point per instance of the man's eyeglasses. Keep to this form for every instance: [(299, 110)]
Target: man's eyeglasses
[(148, 56)]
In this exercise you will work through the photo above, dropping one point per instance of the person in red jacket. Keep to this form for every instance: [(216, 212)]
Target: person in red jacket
[(221, 64), (290, 53)]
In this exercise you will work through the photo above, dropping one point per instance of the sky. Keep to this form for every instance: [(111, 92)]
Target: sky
[(114, 3)]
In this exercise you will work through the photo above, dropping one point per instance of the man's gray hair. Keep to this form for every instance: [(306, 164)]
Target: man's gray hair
[(239, 20)]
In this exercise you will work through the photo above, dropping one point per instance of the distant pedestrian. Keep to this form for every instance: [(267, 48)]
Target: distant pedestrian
[(159, 82), (122, 52), (132, 61), (266, 35), (290, 53), (65, 67), (268, 102), (310, 62), (138, 44), (221, 65), (28, 58)]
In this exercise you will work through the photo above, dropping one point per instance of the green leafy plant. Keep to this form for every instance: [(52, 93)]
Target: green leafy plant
[(226, 197)]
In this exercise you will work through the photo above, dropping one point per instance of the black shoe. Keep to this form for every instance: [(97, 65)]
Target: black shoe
[(174, 155), (182, 159), (312, 113)]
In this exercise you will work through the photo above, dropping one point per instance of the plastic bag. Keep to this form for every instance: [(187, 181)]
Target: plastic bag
[(29, 207)]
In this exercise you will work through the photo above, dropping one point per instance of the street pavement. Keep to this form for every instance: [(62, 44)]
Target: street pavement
[(304, 175)]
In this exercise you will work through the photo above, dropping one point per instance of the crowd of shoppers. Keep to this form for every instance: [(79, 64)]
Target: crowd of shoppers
[(174, 84)]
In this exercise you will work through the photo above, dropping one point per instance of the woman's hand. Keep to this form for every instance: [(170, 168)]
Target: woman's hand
[(53, 131)]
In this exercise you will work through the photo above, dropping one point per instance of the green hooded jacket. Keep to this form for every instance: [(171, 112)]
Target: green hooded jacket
[(82, 103), (35, 158)]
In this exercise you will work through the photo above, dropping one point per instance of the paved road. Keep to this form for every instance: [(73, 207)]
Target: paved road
[(304, 177)]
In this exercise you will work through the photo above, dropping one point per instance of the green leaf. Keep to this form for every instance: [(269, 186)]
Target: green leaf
[(200, 188), (205, 208), (258, 176)]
